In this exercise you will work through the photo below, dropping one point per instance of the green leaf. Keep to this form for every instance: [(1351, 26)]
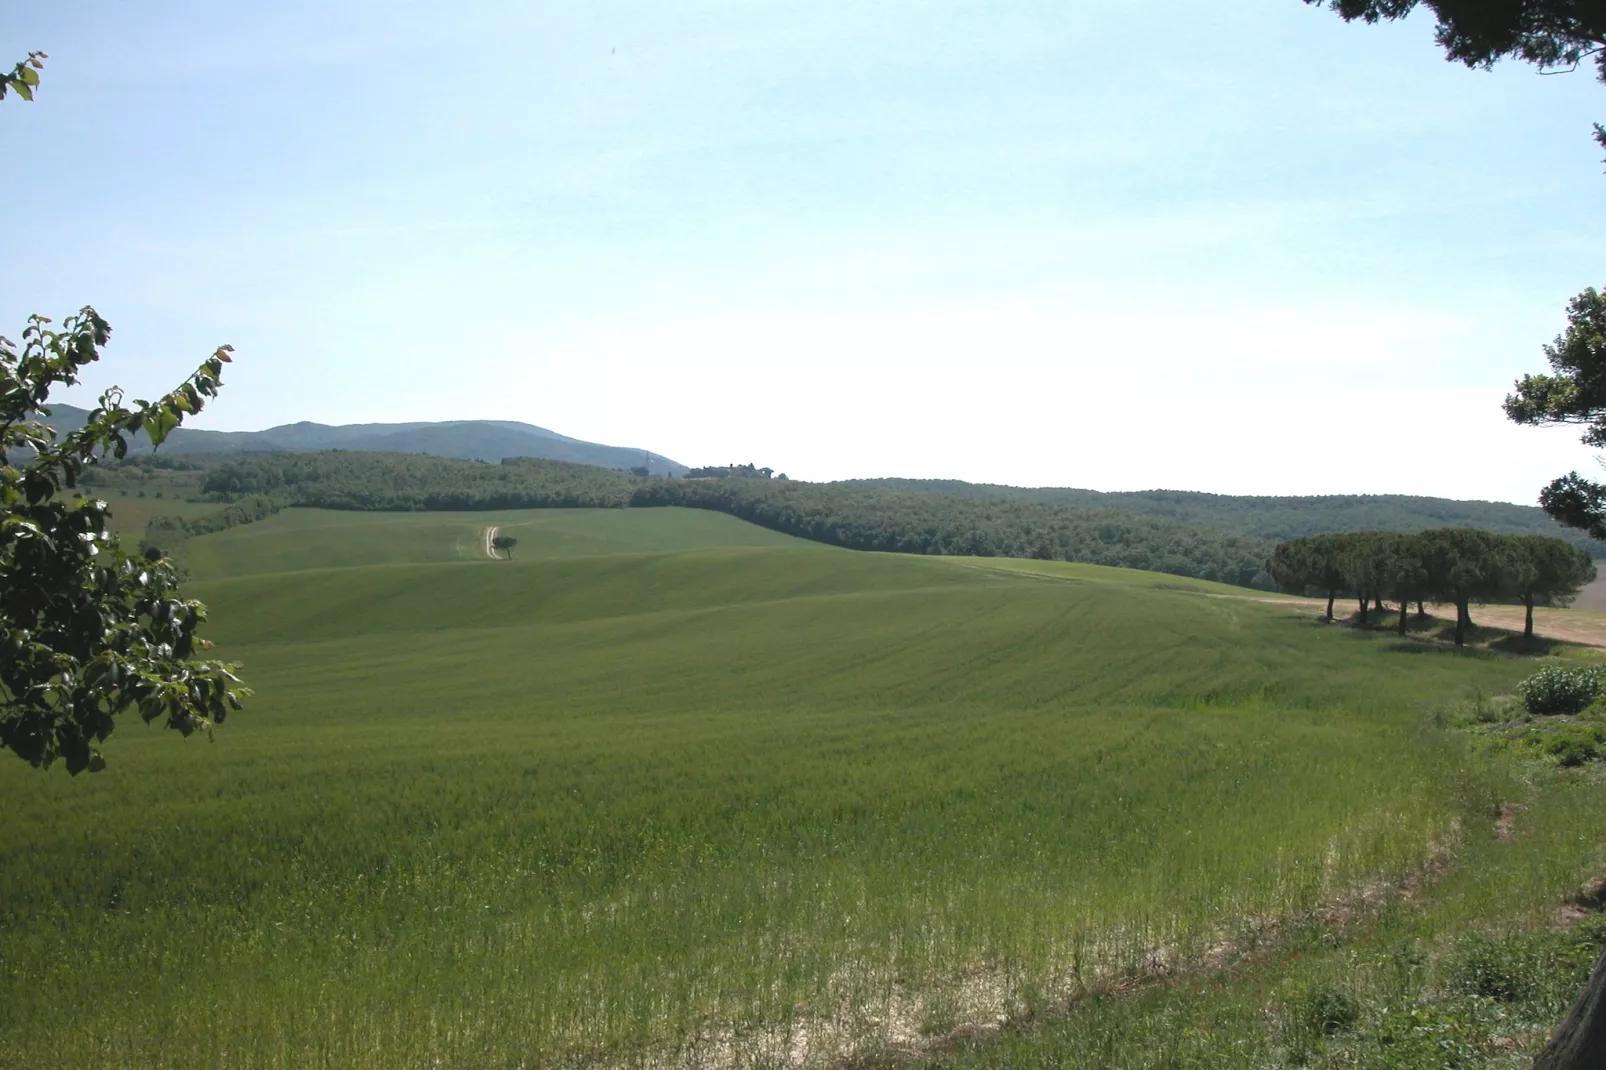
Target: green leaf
[(158, 423)]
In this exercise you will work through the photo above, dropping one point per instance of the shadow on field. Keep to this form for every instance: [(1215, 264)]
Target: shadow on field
[(1427, 634), (1536, 645)]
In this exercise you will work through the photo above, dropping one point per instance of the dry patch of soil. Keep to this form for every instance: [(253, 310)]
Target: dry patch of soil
[(1505, 826), (978, 1003), (1585, 627)]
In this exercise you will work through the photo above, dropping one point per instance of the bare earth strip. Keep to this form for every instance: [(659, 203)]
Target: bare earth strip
[(981, 1001), (1583, 626), (487, 537)]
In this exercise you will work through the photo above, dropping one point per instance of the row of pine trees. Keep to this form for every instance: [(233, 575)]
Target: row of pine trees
[(1457, 566)]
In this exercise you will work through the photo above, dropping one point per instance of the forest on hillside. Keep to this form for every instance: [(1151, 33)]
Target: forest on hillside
[(1276, 518), (1205, 536), (856, 517)]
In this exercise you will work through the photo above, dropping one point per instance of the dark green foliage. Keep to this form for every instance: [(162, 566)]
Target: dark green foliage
[(870, 518), (731, 471), (1495, 969), (1266, 517), (1454, 565), (1312, 564), (1555, 689), (1554, 737), (86, 630), (1420, 1037), (1575, 744), (855, 516), (393, 481), (1575, 393), (1329, 1009), (1544, 571), (1551, 34)]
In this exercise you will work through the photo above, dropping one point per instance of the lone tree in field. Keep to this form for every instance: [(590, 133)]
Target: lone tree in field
[(87, 631), (505, 543)]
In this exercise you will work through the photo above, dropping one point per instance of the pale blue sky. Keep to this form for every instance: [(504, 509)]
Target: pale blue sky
[(1237, 246)]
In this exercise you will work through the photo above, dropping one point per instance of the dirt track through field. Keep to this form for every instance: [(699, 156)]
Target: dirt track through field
[(487, 537), (1584, 626)]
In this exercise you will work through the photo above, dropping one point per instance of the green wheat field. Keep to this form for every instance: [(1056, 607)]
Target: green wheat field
[(669, 789)]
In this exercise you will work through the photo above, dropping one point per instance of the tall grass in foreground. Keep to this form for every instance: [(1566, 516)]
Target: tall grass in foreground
[(1473, 970), (726, 806)]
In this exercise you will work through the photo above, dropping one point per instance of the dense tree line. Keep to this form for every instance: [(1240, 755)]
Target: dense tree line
[(1452, 565), (857, 517), (732, 471), (1278, 517), (339, 479), (872, 518)]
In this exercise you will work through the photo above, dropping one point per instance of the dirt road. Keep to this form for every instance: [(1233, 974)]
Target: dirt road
[(1583, 626), (487, 537)]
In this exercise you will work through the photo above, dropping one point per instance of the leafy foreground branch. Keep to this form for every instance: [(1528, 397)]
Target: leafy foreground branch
[(88, 631)]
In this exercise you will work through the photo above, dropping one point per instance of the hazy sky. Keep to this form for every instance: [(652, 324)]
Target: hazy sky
[(1235, 246)]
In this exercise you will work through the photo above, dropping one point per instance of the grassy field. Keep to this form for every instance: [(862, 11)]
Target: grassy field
[(299, 539), (670, 789), (130, 512)]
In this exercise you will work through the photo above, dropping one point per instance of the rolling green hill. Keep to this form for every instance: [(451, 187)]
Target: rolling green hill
[(832, 513), (296, 539), (671, 789)]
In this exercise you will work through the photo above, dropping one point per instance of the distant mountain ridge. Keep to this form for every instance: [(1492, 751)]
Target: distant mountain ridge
[(482, 440)]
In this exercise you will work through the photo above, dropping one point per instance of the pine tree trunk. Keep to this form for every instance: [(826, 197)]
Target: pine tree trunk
[(1461, 621), (1528, 623), (1404, 605), (1364, 602), (1330, 596), (1580, 1040), (1421, 610)]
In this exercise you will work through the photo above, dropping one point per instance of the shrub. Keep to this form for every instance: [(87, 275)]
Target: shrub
[(1329, 1009), (1574, 745), (1559, 690), (1495, 969), (1421, 1037)]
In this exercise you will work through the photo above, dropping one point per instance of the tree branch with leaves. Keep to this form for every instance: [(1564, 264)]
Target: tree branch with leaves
[(24, 77), (87, 630)]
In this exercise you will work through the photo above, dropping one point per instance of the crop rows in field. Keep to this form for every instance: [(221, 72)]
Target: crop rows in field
[(667, 781)]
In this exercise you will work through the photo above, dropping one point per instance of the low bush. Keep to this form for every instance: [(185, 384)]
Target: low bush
[(1575, 744), (1328, 1009), (1557, 690), (1495, 969), (1422, 1037)]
